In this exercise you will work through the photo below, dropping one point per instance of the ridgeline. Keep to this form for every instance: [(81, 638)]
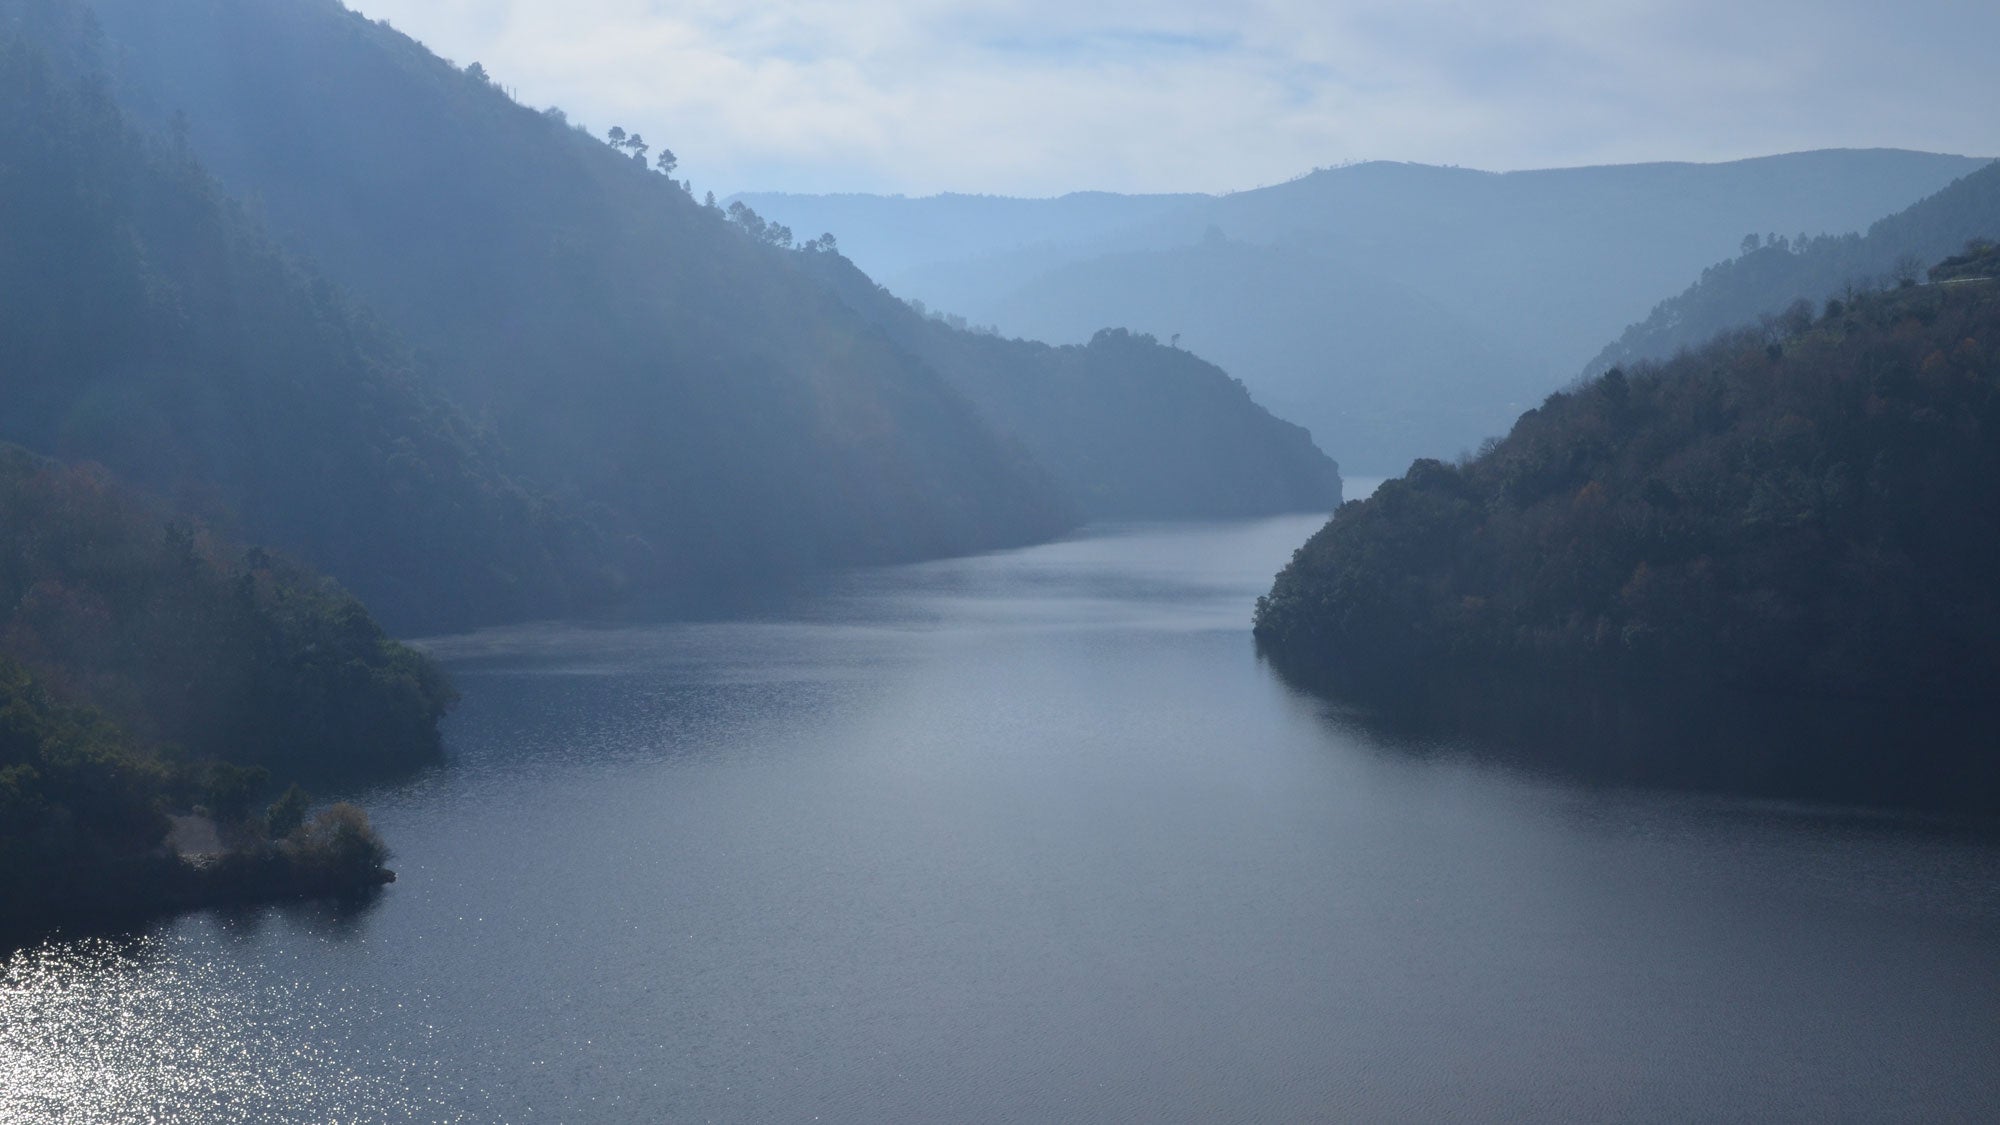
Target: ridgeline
[(1128, 427)]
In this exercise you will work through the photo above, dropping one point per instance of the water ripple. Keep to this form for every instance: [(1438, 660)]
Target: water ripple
[(143, 1029)]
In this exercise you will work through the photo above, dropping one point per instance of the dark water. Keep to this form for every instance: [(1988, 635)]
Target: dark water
[(1032, 837)]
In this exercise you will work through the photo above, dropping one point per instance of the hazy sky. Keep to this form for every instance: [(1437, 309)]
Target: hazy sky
[(1046, 96)]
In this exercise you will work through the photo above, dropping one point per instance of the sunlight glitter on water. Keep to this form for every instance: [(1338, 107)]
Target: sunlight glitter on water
[(1032, 837), (137, 1029)]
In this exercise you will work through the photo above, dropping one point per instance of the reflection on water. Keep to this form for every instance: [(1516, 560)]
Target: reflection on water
[(1856, 754), (157, 1029), (1033, 837)]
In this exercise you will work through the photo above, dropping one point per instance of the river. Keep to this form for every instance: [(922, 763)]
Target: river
[(1031, 837)]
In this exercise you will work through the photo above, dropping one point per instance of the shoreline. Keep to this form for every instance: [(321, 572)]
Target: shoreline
[(163, 885)]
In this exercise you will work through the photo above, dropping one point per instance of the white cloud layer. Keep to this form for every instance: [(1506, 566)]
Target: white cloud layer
[(1037, 97)]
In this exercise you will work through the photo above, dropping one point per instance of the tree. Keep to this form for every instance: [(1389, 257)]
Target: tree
[(341, 843), (616, 135), (666, 161), (227, 790), (1751, 242), (752, 223), (288, 813), (477, 73)]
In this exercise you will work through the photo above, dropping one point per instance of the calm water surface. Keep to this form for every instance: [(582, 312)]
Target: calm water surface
[(1031, 837)]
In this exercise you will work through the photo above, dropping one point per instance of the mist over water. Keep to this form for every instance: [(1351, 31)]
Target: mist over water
[(1032, 836)]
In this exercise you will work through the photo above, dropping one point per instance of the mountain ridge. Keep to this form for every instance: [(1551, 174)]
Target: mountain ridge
[(1764, 280), (1541, 267)]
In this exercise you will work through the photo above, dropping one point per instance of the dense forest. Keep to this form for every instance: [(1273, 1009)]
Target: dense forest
[(231, 654), (630, 347), (151, 327), (1808, 508), (149, 666), (1128, 427), (698, 413), (1773, 271)]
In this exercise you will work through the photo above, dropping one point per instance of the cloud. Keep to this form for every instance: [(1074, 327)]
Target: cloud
[(1042, 96)]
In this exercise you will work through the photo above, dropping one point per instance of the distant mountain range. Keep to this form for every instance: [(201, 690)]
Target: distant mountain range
[(1396, 310), (1763, 281), (481, 365)]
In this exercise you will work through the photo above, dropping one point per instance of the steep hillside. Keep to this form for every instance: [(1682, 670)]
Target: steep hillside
[(629, 346), (1819, 514), (1490, 287), (1129, 427), (188, 640), (148, 325), (148, 666), (1764, 280)]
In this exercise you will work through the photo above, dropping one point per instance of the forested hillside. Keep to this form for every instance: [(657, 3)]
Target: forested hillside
[(148, 666), (1129, 427), (630, 347), (149, 325), (188, 640), (1770, 275), (1814, 509)]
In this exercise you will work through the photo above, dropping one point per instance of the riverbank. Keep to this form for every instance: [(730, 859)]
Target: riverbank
[(1032, 837), (337, 855)]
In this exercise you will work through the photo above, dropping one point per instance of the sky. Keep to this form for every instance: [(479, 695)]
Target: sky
[(1042, 97)]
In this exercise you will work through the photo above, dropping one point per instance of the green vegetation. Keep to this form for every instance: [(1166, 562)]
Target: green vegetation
[(74, 790), (83, 827), (1773, 272), (1979, 262), (148, 667), (231, 654), (1814, 508)]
